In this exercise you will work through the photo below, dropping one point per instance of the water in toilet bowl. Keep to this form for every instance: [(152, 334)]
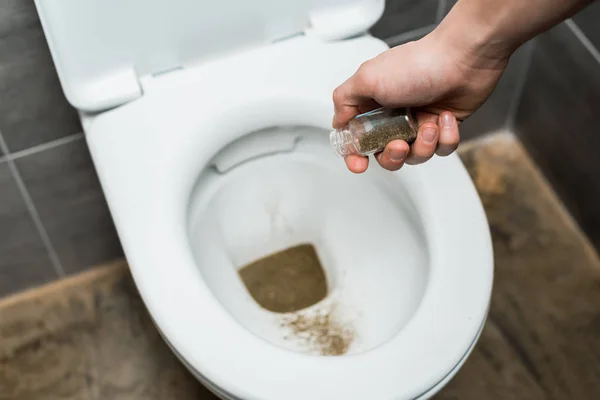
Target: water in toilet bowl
[(286, 281), (362, 228)]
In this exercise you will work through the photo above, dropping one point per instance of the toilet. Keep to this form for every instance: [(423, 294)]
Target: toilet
[(208, 125)]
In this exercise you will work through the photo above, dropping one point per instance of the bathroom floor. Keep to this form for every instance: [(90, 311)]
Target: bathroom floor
[(89, 337)]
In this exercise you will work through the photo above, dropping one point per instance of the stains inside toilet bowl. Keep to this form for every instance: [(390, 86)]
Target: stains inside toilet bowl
[(321, 331), (293, 280)]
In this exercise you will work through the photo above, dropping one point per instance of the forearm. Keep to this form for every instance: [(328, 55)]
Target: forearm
[(493, 29)]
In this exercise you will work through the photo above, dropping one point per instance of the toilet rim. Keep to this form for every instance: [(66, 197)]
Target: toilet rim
[(250, 368)]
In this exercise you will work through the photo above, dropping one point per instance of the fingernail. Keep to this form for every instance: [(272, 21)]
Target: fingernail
[(428, 135), (446, 120), (397, 155)]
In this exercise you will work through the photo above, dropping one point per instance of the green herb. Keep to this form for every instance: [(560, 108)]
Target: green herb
[(375, 140)]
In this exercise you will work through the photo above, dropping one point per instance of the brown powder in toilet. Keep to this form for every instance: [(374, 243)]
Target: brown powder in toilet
[(286, 281), (322, 332)]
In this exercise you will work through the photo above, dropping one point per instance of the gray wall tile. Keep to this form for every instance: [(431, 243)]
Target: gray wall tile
[(405, 15), (64, 187), (24, 261), (495, 113), (16, 14), (557, 120), (448, 4), (33, 109), (409, 36), (589, 22)]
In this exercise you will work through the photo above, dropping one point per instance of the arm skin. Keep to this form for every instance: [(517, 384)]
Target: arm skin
[(494, 29), (447, 75)]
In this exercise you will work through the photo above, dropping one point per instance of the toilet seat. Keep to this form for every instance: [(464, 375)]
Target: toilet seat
[(147, 194)]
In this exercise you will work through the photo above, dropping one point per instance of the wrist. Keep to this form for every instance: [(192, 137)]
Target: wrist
[(479, 39)]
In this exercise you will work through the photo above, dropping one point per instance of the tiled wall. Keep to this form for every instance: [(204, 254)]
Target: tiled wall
[(558, 117), (53, 217)]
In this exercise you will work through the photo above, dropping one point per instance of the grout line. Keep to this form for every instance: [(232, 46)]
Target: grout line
[(439, 15), (520, 86), (407, 36), (583, 39), (58, 268), (44, 146)]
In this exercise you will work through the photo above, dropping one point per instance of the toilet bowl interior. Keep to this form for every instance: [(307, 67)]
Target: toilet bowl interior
[(282, 187)]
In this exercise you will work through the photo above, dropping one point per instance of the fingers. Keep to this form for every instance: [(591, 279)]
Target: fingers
[(355, 95), (436, 135), (357, 164), (394, 155), (426, 143), (449, 134)]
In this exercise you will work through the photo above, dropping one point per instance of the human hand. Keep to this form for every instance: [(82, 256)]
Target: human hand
[(443, 82)]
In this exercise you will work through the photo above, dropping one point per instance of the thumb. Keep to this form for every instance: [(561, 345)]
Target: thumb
[(355, 95)]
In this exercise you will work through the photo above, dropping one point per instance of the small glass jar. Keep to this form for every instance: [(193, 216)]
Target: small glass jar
[(370, 132)]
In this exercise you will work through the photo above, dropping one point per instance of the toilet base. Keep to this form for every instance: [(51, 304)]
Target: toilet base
[(217, 391), (434, 390)]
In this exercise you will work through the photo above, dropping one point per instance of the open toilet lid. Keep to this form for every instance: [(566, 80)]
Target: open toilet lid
[(104, 48)]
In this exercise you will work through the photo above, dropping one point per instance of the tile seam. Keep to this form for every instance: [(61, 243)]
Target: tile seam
[(42, 147), (33, 213), (583, 39)]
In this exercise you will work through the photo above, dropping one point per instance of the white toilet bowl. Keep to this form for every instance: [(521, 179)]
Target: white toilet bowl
[(217, 164)]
